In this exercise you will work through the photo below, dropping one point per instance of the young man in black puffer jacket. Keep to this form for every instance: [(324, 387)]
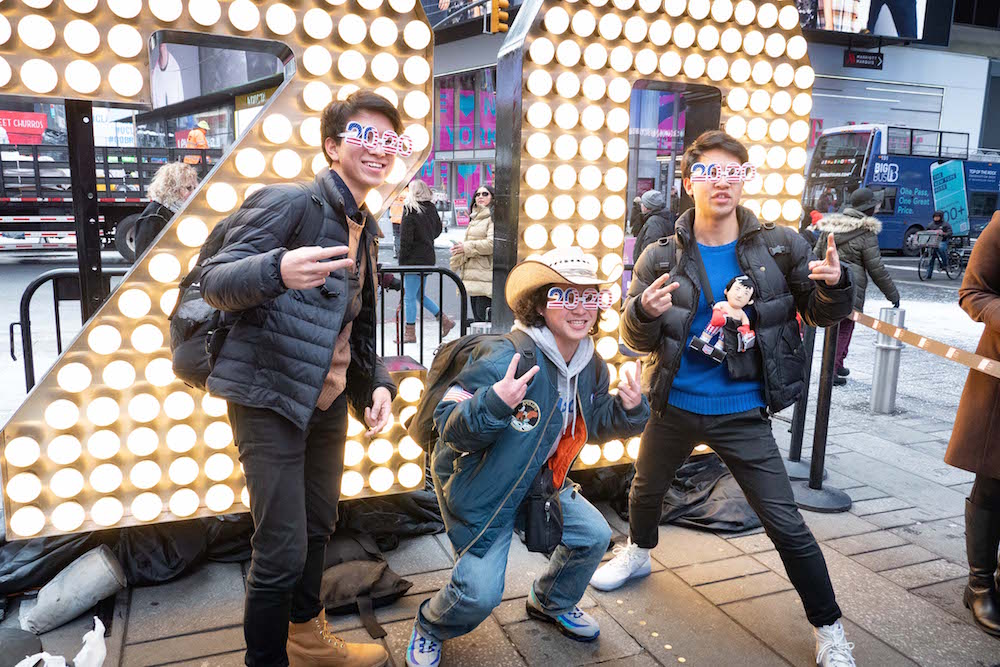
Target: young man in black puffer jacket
[(302, 351), (696, 397)]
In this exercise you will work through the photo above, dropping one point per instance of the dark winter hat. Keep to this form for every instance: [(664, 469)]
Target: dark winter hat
[(864, 200), (653, 200)]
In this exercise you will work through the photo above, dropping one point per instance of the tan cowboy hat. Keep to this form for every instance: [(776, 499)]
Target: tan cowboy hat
[(560, 266)]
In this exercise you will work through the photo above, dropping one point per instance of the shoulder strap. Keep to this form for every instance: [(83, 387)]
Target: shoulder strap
[(526, 348), (779, 247), (307, 229)]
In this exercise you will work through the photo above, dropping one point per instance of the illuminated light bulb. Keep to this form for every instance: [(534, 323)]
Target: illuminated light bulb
[(694, 66), (87, 6), (776, 157), (756, 129), (178, 405), (564, 177), (708, 38), (159, 372), (219, 467), (565, 147), (166, 10), (536, 207), (623, 5), (317, 60), (384, 32), (659, 32), (24, 488), (181, 438), (670, 64), (213, 406), (183, 471), (103, 445), (22, 452), (650, 6), (143, 408), (27, 521), (541, 51), (245, 16), (791, 210), (799, 131), (106, 478), (381, 479), (595, 56), (134, 303), (617, 150), (410, 475), (698, 9), (761, 72), (583, 23), (146, 507), (145, 475), (219, 498), (143, 441), (614, 207), (568, 54), (103, 411), (417, 35), (619, 90), (611, 263), (591, 149), (556, 20), (614, 450), (419, 135), (75, 377), (802, 104), (37, 4), (164, 267), (745, 12), (354, 453), (674, 7), (804, 77), (684, 35), (796, 47), (781, 102), (635, 29), (612, 236), (778, 131), (760, 101), (767, 15), (538, 145), (537, 177), (592, 118), (354, 427), (535, 237), (731, 40), (562, 208), (385, 67), (737, 99), (770, 210), (753, 43), (739, 71), (39, 76), (406, 414), (125, 41), (380, 451), (646, 61), (317, 95), (280, 19), (539, 115), (191, 231), (752, 205), (5, 72), (245, 497), (147, 338), (539, 83), (68, 517), (717, 68), (722, 10), (416, 104), (410, 389), (81, 36), (607, 347), (61, 414), (374, 201), (753, 187), (788, 17), (416, 71), (774, 46), (590, 176), (221, 197), (736, 127), (409, 449), (567, 116), (590, 454), (615, 179), (568, 84), (562, 235), (183, 503), (758, 154), (36, 32), (610, 27), (287, 163), (773, 184), (588, 235), (620, 58), (784, 74), (351, 65), (203, 12), (632, 448), (594, 88), (397, 172), (351, 483), (794, 184)]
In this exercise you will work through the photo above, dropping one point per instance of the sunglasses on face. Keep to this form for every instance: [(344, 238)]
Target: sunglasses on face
[(482, 194)]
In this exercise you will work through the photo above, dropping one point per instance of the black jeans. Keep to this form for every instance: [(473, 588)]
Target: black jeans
[(986, 493), (480, 304), (293, 477), (904, 15), (744, 442)]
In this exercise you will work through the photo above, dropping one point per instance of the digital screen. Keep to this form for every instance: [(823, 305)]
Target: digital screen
[(948, 186), (916, 20)]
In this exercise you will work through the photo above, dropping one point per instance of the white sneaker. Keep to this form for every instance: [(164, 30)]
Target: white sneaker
[(630, 562), (422, 651), (832, 647)]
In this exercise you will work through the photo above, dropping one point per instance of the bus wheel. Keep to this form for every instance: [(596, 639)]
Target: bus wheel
[(910, 248), (125, 237)]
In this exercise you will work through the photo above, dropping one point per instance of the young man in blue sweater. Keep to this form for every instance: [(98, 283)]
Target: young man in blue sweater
[(700, 394)]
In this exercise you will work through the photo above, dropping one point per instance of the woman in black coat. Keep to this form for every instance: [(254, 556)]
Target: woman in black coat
[(170, 187), (421, 224)]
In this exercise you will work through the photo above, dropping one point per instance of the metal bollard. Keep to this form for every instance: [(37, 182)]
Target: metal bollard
[(886, 374)]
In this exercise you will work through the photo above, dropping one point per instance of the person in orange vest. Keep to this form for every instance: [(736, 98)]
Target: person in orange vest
[(196, 139)]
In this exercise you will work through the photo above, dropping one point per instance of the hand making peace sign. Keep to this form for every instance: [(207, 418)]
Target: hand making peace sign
[(657, 299), (827, 270), (630, 390), (511, 390)]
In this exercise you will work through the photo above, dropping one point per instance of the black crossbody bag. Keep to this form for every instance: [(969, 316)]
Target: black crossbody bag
[(541, 511)]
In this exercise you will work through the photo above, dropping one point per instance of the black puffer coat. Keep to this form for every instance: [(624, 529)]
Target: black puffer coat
[(777, 260), (658, 224), (856, 236), (280, 349), (151, 222), (417, 232)]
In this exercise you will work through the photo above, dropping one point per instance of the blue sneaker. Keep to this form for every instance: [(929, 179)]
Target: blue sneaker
[(422, 651), (576, 624)]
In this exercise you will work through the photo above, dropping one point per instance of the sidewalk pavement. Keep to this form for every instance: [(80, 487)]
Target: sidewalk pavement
[(897, 560)]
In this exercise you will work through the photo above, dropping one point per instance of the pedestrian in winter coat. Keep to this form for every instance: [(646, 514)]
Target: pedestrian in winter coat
[(170, 187), (421, 224), (658, 222), (975, 440), (500, 431), (856, 233), (697, 397), (472, 259), (938, 224)]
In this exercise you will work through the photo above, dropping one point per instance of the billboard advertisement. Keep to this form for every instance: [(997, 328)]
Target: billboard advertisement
[(912, 20)]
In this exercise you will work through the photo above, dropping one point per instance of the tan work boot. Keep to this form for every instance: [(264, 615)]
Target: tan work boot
[(410, 333), (312, 644)]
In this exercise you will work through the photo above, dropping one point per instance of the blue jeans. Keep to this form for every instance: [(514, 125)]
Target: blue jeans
[(411, 285), (904, 15), (476, 586), (940, 255)]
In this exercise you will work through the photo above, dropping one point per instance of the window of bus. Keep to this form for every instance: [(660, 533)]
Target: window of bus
[(982, 204)]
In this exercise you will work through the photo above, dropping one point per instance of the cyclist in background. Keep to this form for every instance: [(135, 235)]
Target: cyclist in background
[(938, 224)]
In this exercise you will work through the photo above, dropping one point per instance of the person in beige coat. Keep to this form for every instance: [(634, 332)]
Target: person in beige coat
[(472, 259)]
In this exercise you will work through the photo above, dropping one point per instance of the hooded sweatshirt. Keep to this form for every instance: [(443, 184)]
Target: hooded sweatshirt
[(568, 373)]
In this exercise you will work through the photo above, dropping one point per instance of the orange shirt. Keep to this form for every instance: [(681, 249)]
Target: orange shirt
[(196, 139)]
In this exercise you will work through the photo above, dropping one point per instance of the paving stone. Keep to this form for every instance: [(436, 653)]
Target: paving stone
[(234, 659), (860, 493), (730, 568), (856, 544), (683, 546), (195, 647), (779, 621), (671, 620), (944, 434), (523, 567), (745, 587), (428, 582), (965, 488), (486, 645), (878, 505), (832, 526), (894, 557), (948, 596), (898, 455), (933, 448), (419, 554), (637, 660), (897, 518), (208, 598), (513, 611), (753, 544), (904, 436), (924, 574), (543, 644), (945, 537), (402, 609)]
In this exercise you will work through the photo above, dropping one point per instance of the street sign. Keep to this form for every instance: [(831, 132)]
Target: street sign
[(863, 59)]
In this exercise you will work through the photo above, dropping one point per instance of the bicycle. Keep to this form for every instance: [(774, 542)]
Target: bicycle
[(929, 243)]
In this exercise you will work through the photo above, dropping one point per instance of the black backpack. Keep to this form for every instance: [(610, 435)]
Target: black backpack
[(197, 331), (449, 361)]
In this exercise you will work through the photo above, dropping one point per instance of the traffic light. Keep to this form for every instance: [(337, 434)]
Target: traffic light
[(498, 16)]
